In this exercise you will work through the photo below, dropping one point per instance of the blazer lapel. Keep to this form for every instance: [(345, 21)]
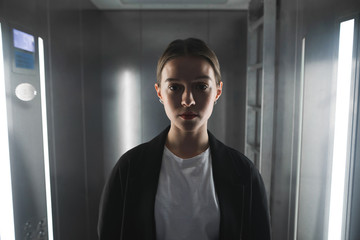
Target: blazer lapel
[(139, 222), (230, 189)]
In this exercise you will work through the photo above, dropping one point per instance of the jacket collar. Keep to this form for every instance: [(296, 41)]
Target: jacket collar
[(143, 183), (230, 187)]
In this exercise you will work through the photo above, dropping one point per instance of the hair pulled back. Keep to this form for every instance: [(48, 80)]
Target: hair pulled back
[(188, 47)]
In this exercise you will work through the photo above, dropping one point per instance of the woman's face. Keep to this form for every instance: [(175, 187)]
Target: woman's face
[(188, 90)]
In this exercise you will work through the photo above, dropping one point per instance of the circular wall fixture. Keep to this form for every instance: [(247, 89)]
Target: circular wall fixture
[(25, 92)]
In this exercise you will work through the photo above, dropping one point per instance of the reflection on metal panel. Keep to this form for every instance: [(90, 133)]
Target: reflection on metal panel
[(343, 124), (7, 230), (129, 113), (299, 142)]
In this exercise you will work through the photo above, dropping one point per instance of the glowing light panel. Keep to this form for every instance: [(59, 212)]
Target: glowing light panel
[(7, 230), (45, 139), (340, 149), (130, 110)]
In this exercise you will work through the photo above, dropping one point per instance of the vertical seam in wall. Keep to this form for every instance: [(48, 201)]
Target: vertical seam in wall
[(291, 199), (87, 215), (102, 90), (208, 26), (140, 121), (293, 130), (53, 139), (293, 196)]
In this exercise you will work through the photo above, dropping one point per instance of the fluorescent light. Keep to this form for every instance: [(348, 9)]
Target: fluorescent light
[(340, 148), (129, 95), (7, 229), (45, 140)]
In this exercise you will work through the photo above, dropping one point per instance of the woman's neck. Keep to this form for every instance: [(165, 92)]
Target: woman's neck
[(187, 144)]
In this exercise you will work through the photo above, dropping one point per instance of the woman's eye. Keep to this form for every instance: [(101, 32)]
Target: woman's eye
[(202, 86), (174, 87)]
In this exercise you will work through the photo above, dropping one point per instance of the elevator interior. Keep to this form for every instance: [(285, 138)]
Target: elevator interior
[(279, 63)]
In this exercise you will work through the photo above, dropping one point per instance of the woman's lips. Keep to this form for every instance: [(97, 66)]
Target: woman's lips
[(188, 116)]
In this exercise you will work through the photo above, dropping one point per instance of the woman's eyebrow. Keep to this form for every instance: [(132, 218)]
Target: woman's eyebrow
[(202, 77), (171, 79), (205, 77)]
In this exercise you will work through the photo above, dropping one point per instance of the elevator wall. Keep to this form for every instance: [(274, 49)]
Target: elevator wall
[(72, 62), (309, 134), (91, 55), (132, 42)]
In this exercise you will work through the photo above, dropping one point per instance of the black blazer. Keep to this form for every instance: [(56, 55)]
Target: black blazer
[(128, 199)]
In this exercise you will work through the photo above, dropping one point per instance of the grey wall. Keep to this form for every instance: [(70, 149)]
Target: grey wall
[(134, 40), (74, 62), (354, 208), (317, 23), (74, 110)]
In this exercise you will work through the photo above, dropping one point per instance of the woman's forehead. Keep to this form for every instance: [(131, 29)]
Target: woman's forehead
[(187, 67)]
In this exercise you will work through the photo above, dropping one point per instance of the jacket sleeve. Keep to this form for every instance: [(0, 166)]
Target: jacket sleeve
[(111, 204), (260, 216)]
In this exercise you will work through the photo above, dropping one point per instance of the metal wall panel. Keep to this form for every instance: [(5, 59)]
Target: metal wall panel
[(120, 56), (25, 124), (305, 132), (282, 181), (92, 99), (68, 135), (76, 114), (73, 64), (354, 230), (321, 22), (25, 143), (228, 120)]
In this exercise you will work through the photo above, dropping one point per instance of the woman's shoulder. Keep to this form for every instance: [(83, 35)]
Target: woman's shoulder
[(233, 158), (240, 157), (236, 155), (144, 152)]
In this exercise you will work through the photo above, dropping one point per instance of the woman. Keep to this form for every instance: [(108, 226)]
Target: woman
[(185, 184)]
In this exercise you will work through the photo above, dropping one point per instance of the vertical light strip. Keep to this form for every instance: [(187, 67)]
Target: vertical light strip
[(7, 229), (128, 134), (129, 122), (298, 167), (340, 148), (45, 140)]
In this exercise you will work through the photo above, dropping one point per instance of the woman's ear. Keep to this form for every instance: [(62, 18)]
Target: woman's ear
[(219, 90), (158, 91)]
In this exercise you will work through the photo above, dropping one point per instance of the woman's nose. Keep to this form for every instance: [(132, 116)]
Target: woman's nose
[(187, 98)]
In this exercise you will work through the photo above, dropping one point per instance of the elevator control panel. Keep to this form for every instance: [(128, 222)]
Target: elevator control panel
[(24, 50), (26, 143), (35, 230)]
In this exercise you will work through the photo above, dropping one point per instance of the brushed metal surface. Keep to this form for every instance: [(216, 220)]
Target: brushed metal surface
[(171, 5)]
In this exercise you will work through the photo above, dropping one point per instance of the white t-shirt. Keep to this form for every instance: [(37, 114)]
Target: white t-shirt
[(186, 206)]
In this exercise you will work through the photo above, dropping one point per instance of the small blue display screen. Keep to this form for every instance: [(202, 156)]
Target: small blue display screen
[(24, 50), (24, 41), (24, 59)]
